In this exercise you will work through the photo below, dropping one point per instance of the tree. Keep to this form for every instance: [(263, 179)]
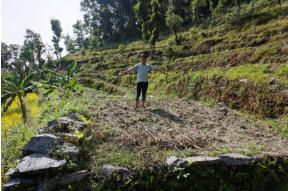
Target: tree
[(218, 10), (174, 22), (143, 10), (32, 50), (6, 55), (149, 16), (29, 47), (79, 31), (155, 23), (25, 56), (196, 5), (279, 2), (39, 49), (182, 9), (17, 87), (69, 44), (238, 3), (108, 21), (57, 30)]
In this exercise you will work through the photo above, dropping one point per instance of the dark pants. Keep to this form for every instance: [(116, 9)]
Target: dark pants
[(141, 86)]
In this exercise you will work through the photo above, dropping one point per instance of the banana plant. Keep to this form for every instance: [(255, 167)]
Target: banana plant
[(60, 81), (18, 87)]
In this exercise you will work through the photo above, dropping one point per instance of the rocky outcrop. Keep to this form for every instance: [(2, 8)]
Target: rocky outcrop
[(41, 144), (62, 181), (71, 150), (39, 160), (65, 124), (36, 164), (237, 159), (110, 170), (228, 159)]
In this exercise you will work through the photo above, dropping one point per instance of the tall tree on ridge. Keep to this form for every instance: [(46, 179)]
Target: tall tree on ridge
[(238, 3), (173, 21), (57, 30), (155, 22), (69, 44), (39, 48)]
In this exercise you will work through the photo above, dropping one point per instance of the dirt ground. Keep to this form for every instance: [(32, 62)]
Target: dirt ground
[(178, 124)]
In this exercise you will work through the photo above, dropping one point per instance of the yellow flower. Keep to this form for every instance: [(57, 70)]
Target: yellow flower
[(13, 117), (11, 120), (32, 96)]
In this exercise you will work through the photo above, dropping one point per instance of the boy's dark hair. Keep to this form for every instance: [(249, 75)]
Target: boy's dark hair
[(143, 55)]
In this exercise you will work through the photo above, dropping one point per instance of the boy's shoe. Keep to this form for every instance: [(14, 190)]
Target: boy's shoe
[(144, 106), (135, 106)]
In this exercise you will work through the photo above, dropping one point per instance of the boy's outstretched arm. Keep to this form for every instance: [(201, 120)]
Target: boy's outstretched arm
[(124, 72), (161, 71)]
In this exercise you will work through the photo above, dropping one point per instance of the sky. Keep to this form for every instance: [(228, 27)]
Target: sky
[(19, 15)]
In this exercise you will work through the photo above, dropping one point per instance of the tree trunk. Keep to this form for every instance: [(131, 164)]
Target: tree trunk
[(152, 52), (238, 11), (253, 6), (279, 2), (23, 108), (197, 11), (176, 38)]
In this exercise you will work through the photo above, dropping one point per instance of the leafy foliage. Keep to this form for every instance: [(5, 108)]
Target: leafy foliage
[(64, 82), (17, 87), (57, 30)]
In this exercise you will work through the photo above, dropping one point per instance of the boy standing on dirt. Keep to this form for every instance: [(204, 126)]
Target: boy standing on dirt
[(142, 78)]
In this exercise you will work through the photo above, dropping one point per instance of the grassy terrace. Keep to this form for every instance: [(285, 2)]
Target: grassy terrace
[(245, 67)]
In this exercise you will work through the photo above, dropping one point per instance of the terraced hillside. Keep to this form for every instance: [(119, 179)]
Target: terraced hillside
[(245, 67)]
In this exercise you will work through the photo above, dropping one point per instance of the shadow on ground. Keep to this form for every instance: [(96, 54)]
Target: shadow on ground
[(165, 114)]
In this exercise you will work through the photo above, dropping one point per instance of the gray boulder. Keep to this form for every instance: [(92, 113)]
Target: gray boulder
[(174, 162), (71, 150), (62, 181), (202, 160), (109, 170), (41, 144), (36, 164), (66, 124), (237, 159), (17, 183)]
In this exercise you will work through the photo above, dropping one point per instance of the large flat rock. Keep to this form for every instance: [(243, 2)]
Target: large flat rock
[(17, 184), (237, 159), (173, 162), (41, 144), (62, 181), (36, 164), (202, 160)]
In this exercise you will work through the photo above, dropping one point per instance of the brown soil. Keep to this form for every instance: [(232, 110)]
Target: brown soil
[(177, 124)]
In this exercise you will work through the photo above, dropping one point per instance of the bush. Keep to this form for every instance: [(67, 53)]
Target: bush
[(121, 48)]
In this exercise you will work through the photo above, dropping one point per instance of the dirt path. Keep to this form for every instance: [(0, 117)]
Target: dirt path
[(178, 124)]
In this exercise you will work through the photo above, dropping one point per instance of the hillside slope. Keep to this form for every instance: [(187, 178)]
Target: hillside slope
[(245, 67)]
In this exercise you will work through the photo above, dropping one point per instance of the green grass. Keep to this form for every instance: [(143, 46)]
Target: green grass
[(255, 72)]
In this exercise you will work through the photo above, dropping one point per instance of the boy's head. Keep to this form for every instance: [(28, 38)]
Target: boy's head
[(143, 58)]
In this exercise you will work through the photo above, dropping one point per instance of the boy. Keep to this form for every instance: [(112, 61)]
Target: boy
[(142, 78)]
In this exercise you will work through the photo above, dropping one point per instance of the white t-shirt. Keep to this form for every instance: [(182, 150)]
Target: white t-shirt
[(142, 71)]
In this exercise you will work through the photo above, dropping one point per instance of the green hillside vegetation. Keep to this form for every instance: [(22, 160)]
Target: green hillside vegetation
[(234, 66), (226, 89)]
